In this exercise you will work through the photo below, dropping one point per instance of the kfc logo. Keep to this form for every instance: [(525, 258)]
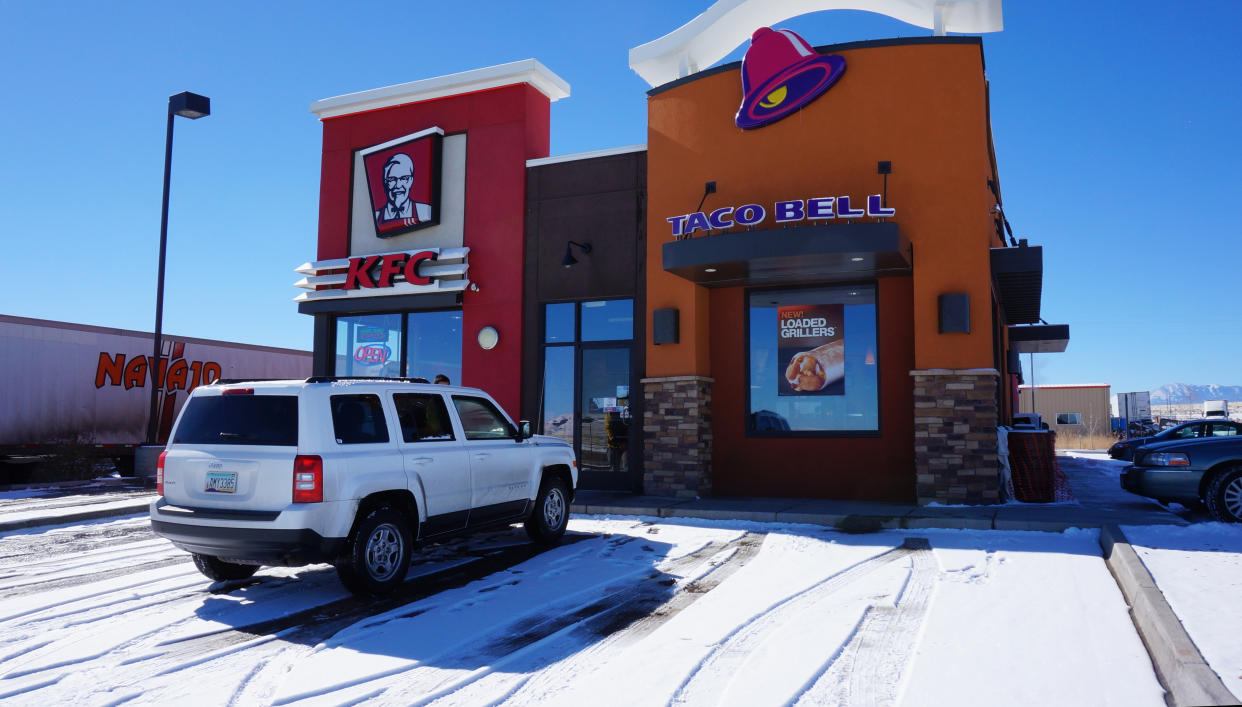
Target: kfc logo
[(403, 180)]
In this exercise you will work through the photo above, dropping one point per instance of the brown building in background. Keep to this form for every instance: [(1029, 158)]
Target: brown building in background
[(1079, 414)]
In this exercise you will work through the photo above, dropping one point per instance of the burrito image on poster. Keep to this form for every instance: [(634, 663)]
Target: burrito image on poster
[(818, 368)]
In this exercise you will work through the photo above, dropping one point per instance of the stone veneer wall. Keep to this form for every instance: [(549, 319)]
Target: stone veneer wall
[(677, 426), (955, 419)]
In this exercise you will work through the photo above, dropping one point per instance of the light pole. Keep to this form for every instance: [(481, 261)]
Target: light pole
[(192, 106)]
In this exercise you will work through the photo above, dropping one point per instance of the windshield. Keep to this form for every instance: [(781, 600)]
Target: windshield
[(239, 419)]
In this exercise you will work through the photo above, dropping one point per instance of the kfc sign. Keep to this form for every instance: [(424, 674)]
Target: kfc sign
[(403, 182), (379, 270), (397, 273)]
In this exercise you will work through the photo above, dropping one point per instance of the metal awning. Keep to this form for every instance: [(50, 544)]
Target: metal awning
[(837, 252), (1042, 338), (1019, 276)]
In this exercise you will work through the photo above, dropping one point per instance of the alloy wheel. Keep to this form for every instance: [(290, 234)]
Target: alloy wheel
[(1233, 498), (554, 508), (383, 551)]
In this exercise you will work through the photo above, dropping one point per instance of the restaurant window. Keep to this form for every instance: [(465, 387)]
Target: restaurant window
[(812, 358), (368, 345), (412, 345)]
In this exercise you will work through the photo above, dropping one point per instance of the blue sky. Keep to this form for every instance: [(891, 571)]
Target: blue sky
[(1115, 127)]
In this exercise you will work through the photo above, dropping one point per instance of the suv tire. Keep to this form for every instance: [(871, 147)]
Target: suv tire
[(219, 570), (1224, 495), (378, 554), (546, 523)]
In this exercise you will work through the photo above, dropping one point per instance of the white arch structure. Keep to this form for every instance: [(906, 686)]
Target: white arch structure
[(709, 37)]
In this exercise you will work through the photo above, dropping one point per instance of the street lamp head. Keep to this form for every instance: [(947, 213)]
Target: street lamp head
[(189, 105)]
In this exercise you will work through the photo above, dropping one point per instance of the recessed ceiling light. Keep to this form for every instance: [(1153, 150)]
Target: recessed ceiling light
[(856, 260), (709, 270)]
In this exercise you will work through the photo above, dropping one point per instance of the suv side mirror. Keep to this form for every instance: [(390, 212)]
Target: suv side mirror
[(524, 431)]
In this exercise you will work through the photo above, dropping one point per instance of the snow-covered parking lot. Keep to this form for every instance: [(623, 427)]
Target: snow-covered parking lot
[(627, 611)]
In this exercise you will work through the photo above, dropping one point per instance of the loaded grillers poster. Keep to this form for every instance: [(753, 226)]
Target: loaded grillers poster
[(811, 349)]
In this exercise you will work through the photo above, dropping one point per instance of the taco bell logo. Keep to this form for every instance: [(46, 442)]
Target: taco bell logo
[(781, 73)]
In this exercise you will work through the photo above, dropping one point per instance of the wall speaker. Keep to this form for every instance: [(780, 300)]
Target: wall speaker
[(664, 326), (955, 313)]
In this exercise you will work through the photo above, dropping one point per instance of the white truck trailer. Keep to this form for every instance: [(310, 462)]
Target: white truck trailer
[(1133, 411), (1216, 408), (85, 390)]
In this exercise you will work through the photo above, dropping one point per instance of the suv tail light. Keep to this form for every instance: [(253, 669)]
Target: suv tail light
[(307, 479), (159, 473)]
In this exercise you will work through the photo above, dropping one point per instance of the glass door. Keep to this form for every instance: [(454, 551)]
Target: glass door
[(588, 376), (604, 428)]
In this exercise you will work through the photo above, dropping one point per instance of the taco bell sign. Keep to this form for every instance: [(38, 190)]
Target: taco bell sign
[(784, 212)]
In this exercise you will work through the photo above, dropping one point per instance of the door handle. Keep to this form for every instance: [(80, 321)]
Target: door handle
[(421, 460), (481, 455)]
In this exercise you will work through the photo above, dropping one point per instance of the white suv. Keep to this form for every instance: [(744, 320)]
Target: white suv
[(352, 472)]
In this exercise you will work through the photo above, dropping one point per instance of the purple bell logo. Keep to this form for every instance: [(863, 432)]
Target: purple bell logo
[(780, 74)]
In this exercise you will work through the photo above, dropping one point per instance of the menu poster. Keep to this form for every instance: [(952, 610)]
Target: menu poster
[(811, 349)]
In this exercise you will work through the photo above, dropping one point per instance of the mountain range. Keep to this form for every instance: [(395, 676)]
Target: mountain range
[(1179, 393)]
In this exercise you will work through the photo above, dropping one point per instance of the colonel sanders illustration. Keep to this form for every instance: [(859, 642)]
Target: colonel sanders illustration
[(398, 178)]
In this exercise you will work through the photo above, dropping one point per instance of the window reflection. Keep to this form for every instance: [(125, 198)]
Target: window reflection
[(558, 392), (608, 320), (558, 324), (434, 345)]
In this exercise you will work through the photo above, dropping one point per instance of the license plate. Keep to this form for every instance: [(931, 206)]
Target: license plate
[(221, 482)]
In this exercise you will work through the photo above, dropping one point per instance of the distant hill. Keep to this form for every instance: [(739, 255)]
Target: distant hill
[(1181, 393)]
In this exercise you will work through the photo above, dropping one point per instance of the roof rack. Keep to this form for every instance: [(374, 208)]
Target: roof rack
[(331, 379)]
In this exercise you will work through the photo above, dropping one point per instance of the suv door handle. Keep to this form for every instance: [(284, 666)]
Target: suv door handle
[(481, 455), (421, 460)]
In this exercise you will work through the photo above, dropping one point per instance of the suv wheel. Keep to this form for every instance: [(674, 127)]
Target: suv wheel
[(378, 554), (219, 570), (546, 523), (1224, 496)]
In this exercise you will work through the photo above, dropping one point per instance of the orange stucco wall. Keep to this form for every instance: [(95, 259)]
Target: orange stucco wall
[(921, 105)]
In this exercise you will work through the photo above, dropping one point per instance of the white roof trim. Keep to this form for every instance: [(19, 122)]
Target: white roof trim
[(586, 155), (529, 71), (725, 25)]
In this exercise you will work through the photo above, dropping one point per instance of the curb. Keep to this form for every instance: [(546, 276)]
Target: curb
[(914, 519), (68, 518), (1180, 668)]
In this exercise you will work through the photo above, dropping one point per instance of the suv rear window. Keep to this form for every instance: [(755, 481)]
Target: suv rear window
[(240, 419)]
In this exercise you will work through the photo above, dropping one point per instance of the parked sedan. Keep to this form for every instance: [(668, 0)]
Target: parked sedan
[(1190, 470), (1187, 430)]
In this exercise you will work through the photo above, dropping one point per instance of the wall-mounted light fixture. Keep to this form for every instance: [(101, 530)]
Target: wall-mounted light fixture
[(488, 338), (569, 260)]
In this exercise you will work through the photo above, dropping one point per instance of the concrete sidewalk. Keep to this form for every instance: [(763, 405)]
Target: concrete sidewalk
[(865, 516), (1099, 501)]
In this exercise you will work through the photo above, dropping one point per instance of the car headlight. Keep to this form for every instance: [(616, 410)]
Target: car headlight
[(1166, 459)]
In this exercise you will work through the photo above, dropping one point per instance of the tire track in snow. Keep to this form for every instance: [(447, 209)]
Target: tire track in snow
[(525, 679), (529, 641), (47, 585), (266, 641), (22, 544), (869, 669), (708, 681)]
